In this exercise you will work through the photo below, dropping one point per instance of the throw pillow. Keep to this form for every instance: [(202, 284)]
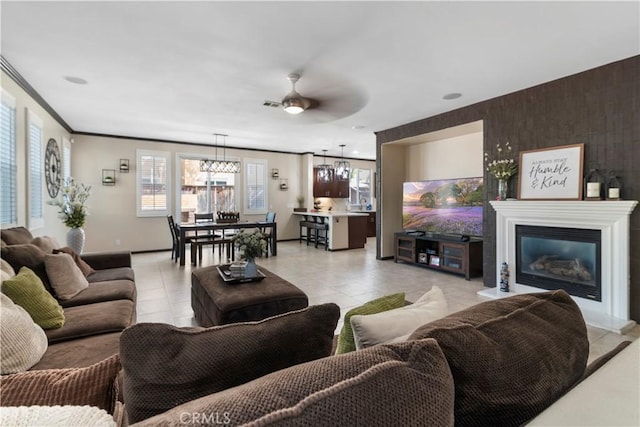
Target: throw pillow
[(389, 302), (16, 235), (46, 243), (55, 416), (84, 267), (513, 357), (26, 290), (165, 366), (94, 385), (23, 342), (405, 384), (65, 276), (396, 325), (30, 256), (7, 271)]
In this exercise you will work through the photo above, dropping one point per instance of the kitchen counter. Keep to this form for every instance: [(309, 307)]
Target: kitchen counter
[(329, 214), (347, 230)]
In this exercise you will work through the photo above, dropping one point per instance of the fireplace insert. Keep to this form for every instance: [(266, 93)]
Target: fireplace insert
[(560, 258)]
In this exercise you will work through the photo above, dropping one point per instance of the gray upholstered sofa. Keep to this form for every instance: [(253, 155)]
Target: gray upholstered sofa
[(497, 363), (95, 317)]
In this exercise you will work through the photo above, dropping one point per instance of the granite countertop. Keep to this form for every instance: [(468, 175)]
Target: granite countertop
[(329, 214)]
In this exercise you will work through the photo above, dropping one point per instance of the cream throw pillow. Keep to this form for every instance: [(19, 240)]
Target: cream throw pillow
[(396, 325), (7, 271), (65, 276), (22, 341), (58, 416)]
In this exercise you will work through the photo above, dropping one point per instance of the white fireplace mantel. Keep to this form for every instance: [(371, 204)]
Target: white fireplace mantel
[(610, 217)]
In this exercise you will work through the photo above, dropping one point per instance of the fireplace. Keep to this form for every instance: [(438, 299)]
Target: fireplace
[(560, 258), (596, 233)]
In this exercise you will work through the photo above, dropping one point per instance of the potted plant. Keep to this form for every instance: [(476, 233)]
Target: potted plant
[(252, 245), (73, 211), (300, 208)]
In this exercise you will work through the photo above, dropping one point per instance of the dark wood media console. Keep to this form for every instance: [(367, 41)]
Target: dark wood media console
[(440, 252)]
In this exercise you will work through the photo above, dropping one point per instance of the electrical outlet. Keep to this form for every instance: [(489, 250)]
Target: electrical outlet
[(117, 242)]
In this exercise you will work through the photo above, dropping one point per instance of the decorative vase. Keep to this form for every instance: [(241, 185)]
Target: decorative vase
[(503, 189), (75, 239), (251, 269)]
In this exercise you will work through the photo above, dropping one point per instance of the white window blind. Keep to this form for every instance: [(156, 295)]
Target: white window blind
[(35, 174), (8, 197), (153, 183), (255, 186), (66, 158)]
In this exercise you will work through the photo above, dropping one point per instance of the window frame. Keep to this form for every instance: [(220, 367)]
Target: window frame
[(140, 213), (35, 171), (8, 100), (248, 210)]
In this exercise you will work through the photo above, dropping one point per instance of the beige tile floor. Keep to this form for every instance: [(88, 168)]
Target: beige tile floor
[(347, 278)]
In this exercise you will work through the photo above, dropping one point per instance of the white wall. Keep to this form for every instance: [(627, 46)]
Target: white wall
[(53, 226), (113, 208), (457, 157)]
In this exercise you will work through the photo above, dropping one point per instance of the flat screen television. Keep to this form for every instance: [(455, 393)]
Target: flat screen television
[(444, 206)]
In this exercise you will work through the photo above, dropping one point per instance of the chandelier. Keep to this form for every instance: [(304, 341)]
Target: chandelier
[(220, 166), (325, 171), (342, 166)]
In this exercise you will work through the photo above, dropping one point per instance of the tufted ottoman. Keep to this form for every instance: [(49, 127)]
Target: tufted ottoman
[(215, 302)]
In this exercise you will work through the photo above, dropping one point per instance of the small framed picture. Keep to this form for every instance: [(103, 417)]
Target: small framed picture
[(422, 258), (551, 173), (434, 260)]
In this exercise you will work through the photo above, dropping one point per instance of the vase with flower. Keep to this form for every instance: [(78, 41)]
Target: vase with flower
[(73, 211), (251, 245), (503, 168)]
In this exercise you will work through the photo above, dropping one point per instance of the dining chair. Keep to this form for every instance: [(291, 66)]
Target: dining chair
[(202, 238), (267, 232), (175, 237), (226, 236)]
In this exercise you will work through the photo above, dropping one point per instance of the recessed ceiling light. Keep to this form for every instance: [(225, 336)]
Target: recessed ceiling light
[(357, 127), (452, 95), (355, 152), (76, 80)]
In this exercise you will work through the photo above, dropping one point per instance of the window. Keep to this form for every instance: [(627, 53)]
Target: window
[(255, 186), (202, 192), (8, 198), (66, 158), (360, 187), (152, 183), (35, 174)]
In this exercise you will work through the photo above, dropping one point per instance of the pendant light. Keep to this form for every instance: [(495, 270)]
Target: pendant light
[(325, 171), (224, 165), (342, 166)]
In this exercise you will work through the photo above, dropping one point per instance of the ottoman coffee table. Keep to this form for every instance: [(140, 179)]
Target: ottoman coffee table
[(216, 302)]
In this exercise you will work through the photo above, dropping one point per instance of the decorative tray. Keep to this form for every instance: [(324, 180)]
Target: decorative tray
[(225, 273)]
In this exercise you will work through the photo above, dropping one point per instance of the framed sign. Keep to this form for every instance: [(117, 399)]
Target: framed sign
[(551, 173)]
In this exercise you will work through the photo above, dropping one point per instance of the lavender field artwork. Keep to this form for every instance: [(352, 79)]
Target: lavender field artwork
[(448, 206)]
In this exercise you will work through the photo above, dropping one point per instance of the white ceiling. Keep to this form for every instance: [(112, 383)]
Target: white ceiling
[(185, 70)]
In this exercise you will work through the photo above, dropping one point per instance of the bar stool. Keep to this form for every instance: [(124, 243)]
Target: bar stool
[(304, 223), (318, 232)]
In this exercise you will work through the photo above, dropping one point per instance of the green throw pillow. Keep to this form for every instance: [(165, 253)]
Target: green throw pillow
[(27, 290), (345, 340)]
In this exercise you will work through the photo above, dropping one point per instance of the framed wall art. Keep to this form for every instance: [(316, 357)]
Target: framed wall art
[(551, 173)]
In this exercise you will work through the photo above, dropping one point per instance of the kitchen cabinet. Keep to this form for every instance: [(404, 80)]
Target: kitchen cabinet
[(335, 189)]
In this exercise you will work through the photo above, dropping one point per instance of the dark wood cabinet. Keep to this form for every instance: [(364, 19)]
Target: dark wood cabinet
[(440, 253), (357, 231), (336, 189), (371, 224)]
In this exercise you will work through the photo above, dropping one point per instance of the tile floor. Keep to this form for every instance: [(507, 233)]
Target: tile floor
[(347, 278)]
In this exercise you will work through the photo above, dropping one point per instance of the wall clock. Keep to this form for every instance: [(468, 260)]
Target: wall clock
[(52, 171)]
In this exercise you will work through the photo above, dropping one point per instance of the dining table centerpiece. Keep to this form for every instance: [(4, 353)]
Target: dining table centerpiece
[(503, 168), (251, 244), (73, 211)]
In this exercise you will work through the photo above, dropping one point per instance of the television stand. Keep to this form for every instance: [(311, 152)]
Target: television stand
[(440, 252)]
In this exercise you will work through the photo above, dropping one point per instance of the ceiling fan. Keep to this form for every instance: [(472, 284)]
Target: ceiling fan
[(293, 102), (332, 98)]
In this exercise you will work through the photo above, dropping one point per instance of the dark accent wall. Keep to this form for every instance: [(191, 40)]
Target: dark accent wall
[(599, 107)]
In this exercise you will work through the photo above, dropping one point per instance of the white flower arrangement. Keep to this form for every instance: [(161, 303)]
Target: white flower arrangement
[(252, 244), (73, 211), (502, 168)]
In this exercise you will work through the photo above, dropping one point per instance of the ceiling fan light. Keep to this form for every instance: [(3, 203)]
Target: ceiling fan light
[(294, 103)]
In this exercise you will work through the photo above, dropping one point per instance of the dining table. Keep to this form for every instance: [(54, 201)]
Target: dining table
[(190, 227)]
